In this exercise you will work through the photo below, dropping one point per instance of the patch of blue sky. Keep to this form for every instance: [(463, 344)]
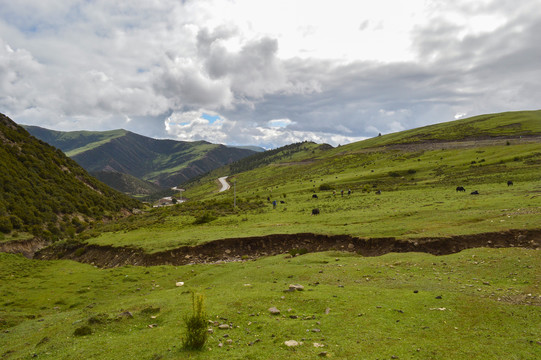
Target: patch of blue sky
[(279, 123), (211, 118)]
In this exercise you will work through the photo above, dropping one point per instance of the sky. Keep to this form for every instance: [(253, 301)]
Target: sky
[(266, 72)]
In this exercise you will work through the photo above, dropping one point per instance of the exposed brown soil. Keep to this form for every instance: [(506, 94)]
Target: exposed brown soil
[(254, 247), (26, 247)]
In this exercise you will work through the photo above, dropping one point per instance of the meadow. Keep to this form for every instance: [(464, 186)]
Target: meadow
[(477, 304), (418, 198), (482, 303)]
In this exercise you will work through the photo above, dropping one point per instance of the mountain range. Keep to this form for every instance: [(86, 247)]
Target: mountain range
[(136, 164)]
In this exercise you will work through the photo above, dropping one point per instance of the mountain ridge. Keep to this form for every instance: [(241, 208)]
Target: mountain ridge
[(164, 162)]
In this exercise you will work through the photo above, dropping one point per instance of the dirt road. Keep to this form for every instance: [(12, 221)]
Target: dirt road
[(225, 184)]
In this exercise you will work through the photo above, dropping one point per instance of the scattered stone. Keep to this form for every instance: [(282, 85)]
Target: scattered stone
[(274, 311), (224, 326), (291, 343), (327, 311), (350, 246), (318, 345), (293, 317), (229, 341), (210, 331), (179, 283), (152, 326), (220, 345), (227, 251), (316, 330), (323, 354), (296, 287)]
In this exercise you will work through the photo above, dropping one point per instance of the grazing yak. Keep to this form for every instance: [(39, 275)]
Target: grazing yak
[(314, 196), (509, 183), (474, 192), (460, 188), (378, 192), (315, 211)]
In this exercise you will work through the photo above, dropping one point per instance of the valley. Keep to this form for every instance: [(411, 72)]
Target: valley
[(395, 264)]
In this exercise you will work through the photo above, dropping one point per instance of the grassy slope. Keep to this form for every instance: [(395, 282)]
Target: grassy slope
[(485, 310), (418, 192)]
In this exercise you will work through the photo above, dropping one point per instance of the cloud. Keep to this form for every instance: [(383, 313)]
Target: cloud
[(340, 75), (193, 126)]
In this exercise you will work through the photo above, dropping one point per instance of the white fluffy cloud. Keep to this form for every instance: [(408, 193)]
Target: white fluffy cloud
[(272, 72)]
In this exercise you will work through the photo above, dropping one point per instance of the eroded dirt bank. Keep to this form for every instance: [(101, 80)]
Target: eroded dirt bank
[(26, 247), (253, 247)]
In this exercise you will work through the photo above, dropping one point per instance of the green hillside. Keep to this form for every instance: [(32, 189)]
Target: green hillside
[(166, 163), (45, 193), (397, 190), (490, 126)]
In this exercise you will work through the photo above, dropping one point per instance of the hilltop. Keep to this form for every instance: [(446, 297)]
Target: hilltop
[(165, 163), (45, 193)]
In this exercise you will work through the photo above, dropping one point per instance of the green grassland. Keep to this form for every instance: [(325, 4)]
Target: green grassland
[(477, 304), (418, 198)]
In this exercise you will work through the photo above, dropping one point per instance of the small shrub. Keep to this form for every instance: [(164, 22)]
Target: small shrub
[(325, 186), (80, 251), (82, 331), (412, 171), (394, 174), (196, 325), (296, 252), (5, 225), (205, 218)]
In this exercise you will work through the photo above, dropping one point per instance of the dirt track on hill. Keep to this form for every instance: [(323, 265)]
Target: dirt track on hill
[(253, 247)]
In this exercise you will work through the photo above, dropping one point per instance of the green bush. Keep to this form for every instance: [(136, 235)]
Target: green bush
[(206, 217), (325, 186), (82, 331), (5, 225), (196, 325)]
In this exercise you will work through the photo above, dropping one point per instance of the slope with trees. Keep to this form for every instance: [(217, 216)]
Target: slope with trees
[(45, 193)]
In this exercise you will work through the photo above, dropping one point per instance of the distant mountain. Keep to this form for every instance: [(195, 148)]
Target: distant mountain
[(166, 163), (46, 193)]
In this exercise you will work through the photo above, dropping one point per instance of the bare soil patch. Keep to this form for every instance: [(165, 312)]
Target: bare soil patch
[(237, 249)]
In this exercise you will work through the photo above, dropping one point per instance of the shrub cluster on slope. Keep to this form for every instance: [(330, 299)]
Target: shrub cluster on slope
[(46, 193)]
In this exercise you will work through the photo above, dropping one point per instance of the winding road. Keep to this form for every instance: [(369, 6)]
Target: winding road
[(225, 184)]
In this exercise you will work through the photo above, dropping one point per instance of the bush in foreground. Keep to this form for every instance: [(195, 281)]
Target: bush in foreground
[(196, 325)]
